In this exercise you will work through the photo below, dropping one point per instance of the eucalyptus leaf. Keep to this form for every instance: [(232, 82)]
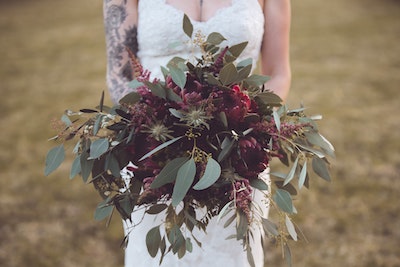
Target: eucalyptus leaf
[(66, 120), (168, 173), (237, 49), (320, 168), (226, 149), (270, 227), (97, 123), (257, 80), (215, 38), (75, 167), (225, 210), (178, 76), (291, 173), (211, 175), (303, 175), (259, 184), (290, 227), (183, 181), (189, 245), (228, 74), (98, 148), (112, 164), (54, 158), (187, 26), (287, 254), (163, 145), (277, 120), (176, 113), (157, 208), (284, 200), (103, 210), (316, 139), (132, 97), (156, 89), (171, 95), (269, 98), (153, 240)]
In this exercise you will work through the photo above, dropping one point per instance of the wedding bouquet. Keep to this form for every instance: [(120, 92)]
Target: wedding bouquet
[(199, 139)]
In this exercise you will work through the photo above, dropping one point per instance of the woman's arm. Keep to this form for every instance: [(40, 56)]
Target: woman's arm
[(275, 49), (120, 20)]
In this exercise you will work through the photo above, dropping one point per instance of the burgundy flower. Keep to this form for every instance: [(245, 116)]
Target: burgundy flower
[(251, 159), (235, 103)]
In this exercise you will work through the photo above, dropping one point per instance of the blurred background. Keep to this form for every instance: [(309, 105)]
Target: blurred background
[(346, 66)]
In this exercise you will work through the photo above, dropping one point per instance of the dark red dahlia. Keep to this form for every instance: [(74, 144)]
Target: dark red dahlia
[(251, 159)]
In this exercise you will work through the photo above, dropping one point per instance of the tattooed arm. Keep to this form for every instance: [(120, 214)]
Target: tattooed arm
[(120, 20)]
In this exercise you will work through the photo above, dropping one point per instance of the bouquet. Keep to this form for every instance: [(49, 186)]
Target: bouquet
[(199, 139)]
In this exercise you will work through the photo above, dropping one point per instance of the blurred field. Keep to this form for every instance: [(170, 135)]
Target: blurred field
[(346, 66)]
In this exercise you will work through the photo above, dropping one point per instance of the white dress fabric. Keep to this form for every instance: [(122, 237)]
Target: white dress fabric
[(160, 26)]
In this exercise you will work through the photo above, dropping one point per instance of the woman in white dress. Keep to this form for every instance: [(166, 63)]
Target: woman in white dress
[(148, 28)]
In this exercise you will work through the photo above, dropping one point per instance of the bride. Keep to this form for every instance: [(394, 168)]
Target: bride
[(149, 28)]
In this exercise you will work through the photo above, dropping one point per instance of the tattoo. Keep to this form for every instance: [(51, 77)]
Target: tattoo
[(131, 39), (120, 36)]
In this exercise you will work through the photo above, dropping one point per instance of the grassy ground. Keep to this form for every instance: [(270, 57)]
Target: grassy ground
[(346, 61)]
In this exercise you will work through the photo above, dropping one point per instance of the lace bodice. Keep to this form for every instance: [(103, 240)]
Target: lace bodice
[(160, 27)]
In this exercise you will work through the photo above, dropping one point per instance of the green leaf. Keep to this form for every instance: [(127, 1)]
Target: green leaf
[(187, 26), (153, 240), (131, 98), (168, 173), (242, 225), (277, 120), (303, 175), (287, 255), (223, 119), (291, 173), (243, 73), (228, 74), (103, 210), (237, 49), (54, 158), (112, 164), (269, 98), (86, 164), (316, 139), (284, 200), (259, 184), (270, 227), (178, 76), (98, 148), (225, 210), (101, 104), (227, 146), (320, 168), (183, 181), (290, 227), (215, 38), (156, 89), (176, 113), (171, 95), (163, 145), (189, 245), (75, 167), (211, 175), (97, 123), (156, 208), (176, 239), (257, 80), (66, 120)]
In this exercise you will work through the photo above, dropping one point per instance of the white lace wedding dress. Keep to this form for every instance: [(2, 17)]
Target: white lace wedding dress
[(159, 26)]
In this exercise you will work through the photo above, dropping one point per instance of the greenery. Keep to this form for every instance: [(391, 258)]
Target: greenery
[(345, 66)]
